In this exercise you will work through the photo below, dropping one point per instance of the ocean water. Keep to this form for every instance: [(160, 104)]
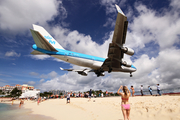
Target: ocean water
[(13, 112)]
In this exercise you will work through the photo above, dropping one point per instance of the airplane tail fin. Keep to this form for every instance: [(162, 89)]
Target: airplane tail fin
[(47, 37)]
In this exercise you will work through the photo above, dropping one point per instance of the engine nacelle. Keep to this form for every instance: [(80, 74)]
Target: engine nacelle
[(102, 74), (126, 64), (128, 51), (84, 73)]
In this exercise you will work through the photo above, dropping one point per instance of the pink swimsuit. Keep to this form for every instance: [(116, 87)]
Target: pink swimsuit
[(126, 106)]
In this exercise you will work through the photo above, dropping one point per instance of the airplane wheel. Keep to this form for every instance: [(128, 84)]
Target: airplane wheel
[(98, 75), (109, 70), (130, 75)]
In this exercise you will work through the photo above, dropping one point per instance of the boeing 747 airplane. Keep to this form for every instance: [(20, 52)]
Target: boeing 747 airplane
[(46, 44)]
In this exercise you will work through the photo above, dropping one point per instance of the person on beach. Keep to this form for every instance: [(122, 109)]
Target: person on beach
[(39, 100), (132, 91), (150, 90), (106, 93), (102, 95), (68, 97), (158, 89), (125, 106), (21, 102), (90, 92), (141, 90)]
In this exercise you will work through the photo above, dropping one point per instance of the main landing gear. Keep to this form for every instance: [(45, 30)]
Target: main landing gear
[(131, 75), (110, 70)]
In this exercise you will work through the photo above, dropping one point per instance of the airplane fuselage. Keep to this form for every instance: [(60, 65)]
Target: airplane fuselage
[(80, 59)]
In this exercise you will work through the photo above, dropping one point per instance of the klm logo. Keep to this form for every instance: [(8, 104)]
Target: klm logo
[(47, 37), (50, 40)]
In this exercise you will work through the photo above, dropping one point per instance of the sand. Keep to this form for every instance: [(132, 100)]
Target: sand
[(108, 108)]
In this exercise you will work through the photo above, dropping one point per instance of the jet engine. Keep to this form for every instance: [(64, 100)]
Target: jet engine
[(84, 73), (128, 51), (125, 64)]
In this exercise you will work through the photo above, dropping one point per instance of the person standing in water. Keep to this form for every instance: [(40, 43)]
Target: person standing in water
[(125, 106)]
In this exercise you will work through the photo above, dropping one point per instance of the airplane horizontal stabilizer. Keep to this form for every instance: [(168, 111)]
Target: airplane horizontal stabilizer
[(81, 72), (73, 70), (37, 53)]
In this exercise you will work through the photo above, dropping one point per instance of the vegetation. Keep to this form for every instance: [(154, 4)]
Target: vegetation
[(46, 94), (15, 92)]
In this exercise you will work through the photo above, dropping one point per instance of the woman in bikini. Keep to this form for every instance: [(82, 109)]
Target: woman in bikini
[(125, 106)]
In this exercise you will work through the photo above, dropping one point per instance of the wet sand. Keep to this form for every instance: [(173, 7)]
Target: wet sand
[(13, 112), (109, 108)]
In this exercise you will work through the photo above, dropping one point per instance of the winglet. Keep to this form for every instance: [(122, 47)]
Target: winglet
[(119, 10), (61, 68)]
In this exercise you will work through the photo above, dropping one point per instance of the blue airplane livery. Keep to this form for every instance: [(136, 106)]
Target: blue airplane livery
[(45, 44)]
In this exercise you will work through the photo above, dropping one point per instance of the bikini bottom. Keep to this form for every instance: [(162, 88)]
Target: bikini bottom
[(126, 106)]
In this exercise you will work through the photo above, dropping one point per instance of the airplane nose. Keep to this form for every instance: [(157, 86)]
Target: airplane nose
[(132, 66)]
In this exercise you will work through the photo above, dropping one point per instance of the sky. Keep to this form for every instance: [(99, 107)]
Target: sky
[(87, 26)]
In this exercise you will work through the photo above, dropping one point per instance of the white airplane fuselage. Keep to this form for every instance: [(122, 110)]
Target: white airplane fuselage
[(80, 59)]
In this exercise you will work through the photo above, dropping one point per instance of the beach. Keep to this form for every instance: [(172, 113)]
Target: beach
[(108, 108)]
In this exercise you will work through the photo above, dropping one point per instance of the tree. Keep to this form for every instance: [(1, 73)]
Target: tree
[(46, 94), (15, 92)]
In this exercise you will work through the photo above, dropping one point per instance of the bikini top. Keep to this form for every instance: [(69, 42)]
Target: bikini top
[(124, 98)]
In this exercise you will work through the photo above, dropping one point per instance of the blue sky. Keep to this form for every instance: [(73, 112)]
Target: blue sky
[(87, 27)]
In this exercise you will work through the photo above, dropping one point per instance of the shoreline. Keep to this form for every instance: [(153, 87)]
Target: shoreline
[(13, 111)]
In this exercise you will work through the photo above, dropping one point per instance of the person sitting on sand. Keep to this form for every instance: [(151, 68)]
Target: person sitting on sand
[(125, 106), (132, 91)]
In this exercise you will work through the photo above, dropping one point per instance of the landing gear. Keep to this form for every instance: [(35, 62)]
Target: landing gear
[(110, 69), (98, 75), (131, 75), (99, 72)]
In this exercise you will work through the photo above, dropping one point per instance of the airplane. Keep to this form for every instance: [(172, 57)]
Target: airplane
[(46, 44)]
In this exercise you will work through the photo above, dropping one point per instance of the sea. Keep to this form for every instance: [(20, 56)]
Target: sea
[(13, 112)]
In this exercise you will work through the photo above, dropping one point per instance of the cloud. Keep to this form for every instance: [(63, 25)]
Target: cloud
[(150, 25), (12, 54), (31, 83), (19, 15), (53, 74), (41, 81), (33, 73), (39, 57)]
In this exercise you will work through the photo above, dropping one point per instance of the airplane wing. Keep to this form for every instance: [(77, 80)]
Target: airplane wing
[(82, 72), (115, 52)]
